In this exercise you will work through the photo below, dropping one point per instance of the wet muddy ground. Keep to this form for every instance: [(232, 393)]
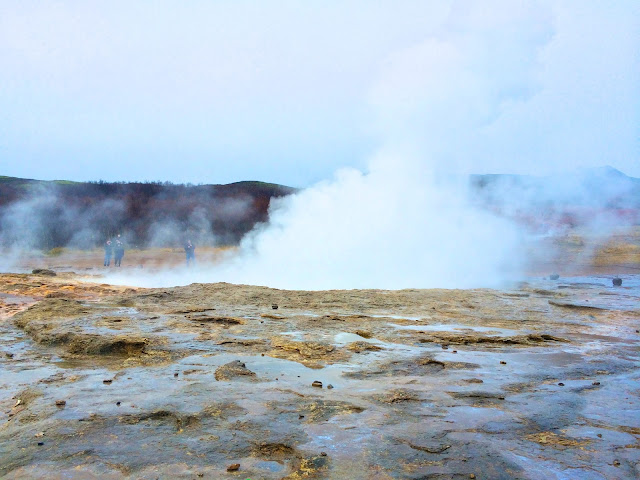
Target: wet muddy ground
[(223, 381)]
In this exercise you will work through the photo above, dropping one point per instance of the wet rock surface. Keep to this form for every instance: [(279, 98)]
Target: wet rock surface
[(233, 370), (112, 382)]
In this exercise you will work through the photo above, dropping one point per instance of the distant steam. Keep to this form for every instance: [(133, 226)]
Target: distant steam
[(405, 223)]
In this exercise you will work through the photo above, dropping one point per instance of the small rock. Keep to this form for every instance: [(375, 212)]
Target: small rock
[(300, 416), (445, 347), (10, 355), (316, 383), (471, 475), (200, 474), (274, 306), (502, 363), (599, 435), (554, 276), (107, 382), (40, 444), (616, 463), (61, 403), (44, 271), (363, 333), (233, 468), (561, 384), (329, 386), (39, 434), (455, 351), (323, 454), (617, 282), (233, 370), (118, 403), (595, 383)]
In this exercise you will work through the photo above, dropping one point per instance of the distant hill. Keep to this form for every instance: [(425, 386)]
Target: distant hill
[(47, 214), (584, 197)]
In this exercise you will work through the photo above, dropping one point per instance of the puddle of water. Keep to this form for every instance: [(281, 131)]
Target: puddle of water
[(14, 299), (273, 467), (491, 331), (401, 317), (297, 336), (268, 368), (625, 297), (344, 338)]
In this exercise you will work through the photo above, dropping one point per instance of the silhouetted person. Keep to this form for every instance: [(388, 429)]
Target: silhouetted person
[(190, 250), (108, 251), (118, 251)]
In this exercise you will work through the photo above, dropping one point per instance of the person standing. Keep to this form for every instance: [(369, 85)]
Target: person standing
[(190, 250), (108, 251), (118, 251)]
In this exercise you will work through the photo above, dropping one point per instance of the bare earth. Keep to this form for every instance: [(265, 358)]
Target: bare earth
[(213, 381)]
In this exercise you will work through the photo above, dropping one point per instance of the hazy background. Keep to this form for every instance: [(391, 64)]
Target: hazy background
[(377, 108), (288, 91)]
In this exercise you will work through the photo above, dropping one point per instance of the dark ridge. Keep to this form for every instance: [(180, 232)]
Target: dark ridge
[(61, 209)]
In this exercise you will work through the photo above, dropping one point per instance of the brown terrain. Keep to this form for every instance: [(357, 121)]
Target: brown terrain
[(221, 381)]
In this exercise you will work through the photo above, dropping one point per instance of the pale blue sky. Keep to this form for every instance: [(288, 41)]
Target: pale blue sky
[(290, 91)]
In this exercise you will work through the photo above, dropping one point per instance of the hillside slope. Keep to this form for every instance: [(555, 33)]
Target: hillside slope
[(47, 214)]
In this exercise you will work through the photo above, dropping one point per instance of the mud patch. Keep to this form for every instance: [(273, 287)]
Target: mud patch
[(359, 347), (424, 365), (557, 441), (576, 306), (273, 451), (456, 339), (322, 410), (216, 320), (51, 310), (479, 399), (310, 354), (311, 467), (179, 421), (233, 370), (399, 395)]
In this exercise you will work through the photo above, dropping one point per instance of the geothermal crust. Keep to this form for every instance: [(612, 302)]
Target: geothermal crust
[(212, 381)]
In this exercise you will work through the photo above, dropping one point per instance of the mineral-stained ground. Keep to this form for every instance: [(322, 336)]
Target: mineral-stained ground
[(220, 381)]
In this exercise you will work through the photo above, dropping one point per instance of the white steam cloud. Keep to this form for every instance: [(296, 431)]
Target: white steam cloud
[(404, 223)]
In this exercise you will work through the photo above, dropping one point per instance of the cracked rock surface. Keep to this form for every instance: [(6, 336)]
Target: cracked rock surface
[(100, 381)]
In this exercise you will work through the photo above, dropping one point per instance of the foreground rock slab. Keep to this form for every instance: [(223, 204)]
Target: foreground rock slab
[(205, 381)]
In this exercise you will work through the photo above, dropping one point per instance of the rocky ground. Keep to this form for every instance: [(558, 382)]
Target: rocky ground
[(223, 381)]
